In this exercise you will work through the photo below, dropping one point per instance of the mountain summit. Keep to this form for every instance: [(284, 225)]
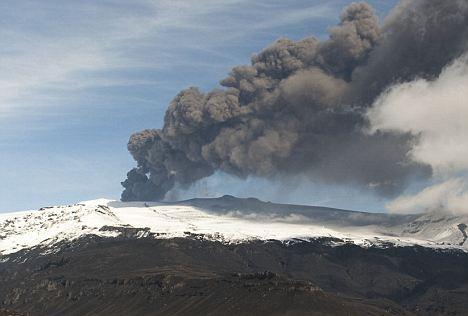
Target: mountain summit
[(227, 219)]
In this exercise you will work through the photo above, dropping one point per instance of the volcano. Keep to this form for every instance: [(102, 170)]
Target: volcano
[(230, 256)]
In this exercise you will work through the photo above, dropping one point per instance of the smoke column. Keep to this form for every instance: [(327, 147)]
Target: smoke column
[(300, 107)]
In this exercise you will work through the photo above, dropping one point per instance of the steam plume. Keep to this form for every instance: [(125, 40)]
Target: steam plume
[(300, 107), (437, 112), (450, 196)]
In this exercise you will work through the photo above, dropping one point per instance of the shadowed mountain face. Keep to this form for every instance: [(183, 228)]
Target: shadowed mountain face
[(6, 312), (193, 276), (325, 215)]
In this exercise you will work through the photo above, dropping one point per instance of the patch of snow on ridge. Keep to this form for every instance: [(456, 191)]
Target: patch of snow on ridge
[(48, 226)]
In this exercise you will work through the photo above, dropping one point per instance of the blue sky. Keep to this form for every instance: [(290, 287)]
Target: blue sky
[(78, 77)]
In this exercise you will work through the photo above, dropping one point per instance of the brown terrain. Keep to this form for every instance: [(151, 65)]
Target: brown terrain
[(194, 276)]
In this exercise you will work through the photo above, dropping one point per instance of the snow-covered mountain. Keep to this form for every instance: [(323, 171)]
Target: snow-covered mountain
[(243, 256), (226, 219)]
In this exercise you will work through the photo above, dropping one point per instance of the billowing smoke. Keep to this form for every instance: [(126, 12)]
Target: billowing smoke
[(300, 107)]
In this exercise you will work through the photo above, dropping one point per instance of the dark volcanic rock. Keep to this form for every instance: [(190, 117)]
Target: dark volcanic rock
[(191, 276), (7, 312)]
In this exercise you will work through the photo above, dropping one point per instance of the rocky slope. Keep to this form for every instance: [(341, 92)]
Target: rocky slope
[(189, 276)]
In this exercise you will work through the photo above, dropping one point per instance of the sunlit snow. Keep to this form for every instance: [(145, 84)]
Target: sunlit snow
[(48, 226)]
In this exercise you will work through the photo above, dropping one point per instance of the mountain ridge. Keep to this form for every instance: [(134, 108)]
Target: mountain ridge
[(228, 219)]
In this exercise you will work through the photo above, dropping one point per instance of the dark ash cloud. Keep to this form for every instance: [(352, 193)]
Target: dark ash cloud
[(299, 108)]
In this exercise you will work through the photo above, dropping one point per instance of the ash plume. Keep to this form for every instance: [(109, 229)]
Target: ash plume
[(300, 107)]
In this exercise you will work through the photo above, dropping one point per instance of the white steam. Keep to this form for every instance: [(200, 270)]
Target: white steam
[(437, 112), (449, 196)]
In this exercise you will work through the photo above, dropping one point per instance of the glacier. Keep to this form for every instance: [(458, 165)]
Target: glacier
[(229, 220)]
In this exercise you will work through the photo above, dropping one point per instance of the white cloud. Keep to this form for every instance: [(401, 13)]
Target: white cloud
[(41, 64), (437, 113), (436, 110), (50, 46)]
